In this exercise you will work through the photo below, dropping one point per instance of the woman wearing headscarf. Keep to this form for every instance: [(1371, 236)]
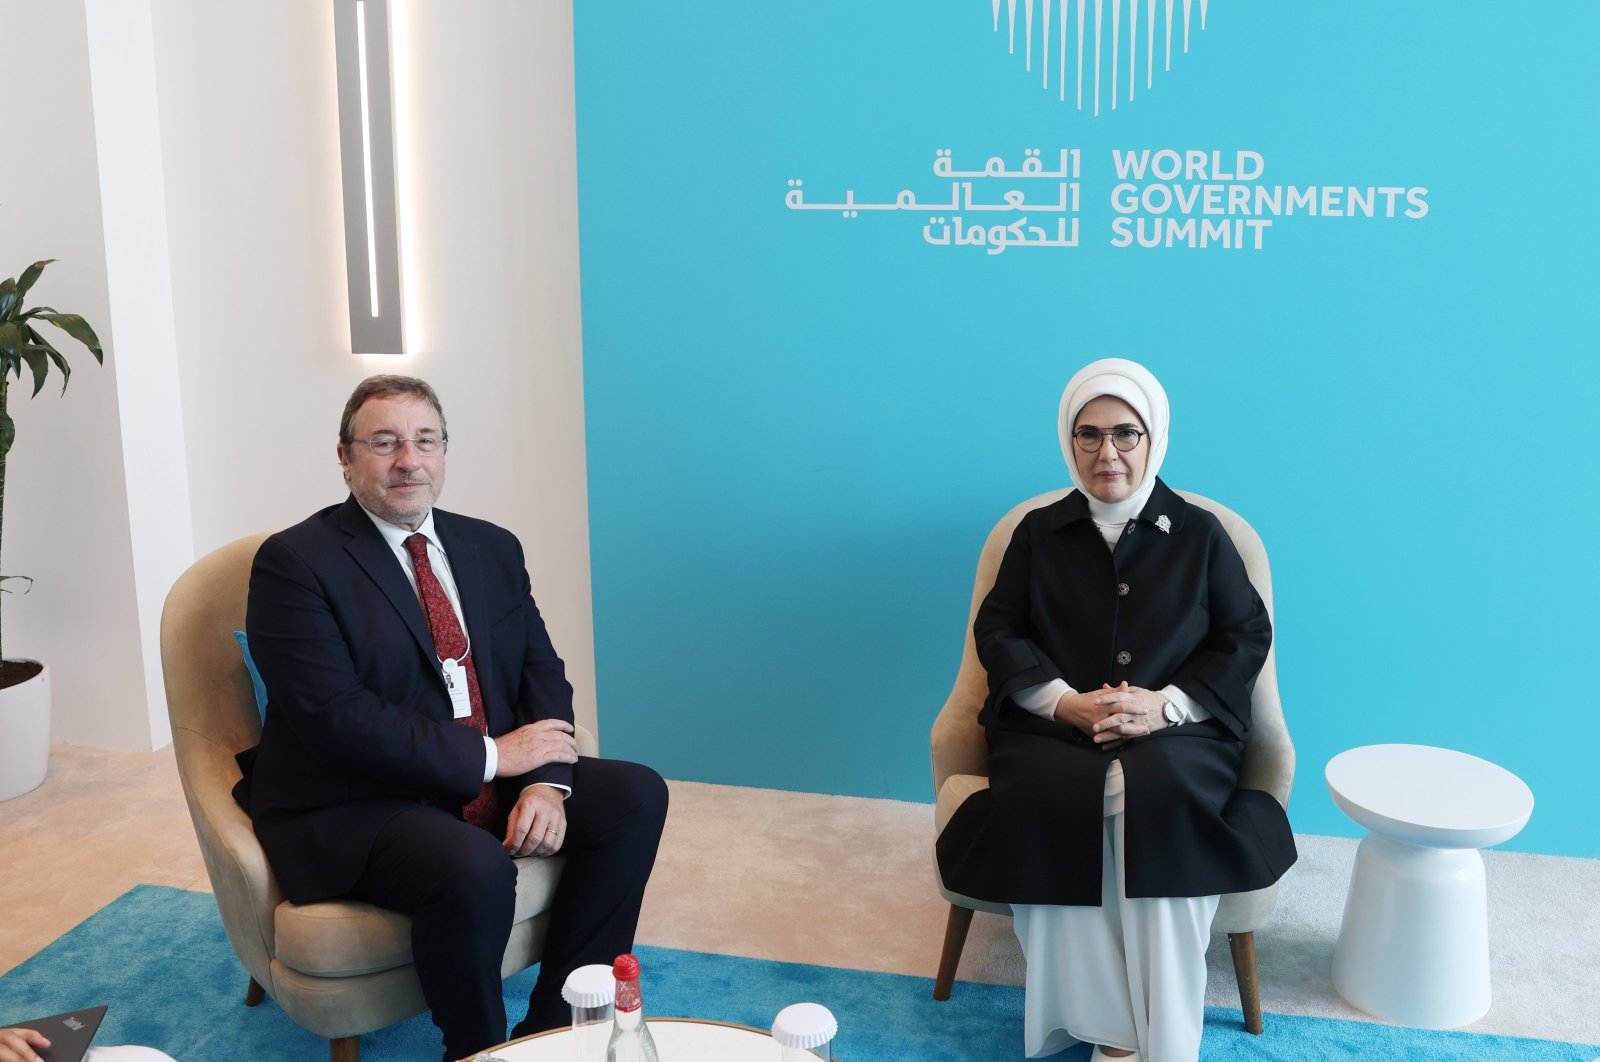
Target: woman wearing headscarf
[(1122, 640)]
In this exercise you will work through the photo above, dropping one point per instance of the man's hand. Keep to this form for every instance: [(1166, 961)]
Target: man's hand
[(534, 745), (537, 825), (17, 1045)]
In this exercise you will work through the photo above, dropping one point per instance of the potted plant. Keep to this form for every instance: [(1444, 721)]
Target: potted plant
[(24, 684)]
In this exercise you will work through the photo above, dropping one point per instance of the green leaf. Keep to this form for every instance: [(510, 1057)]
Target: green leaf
[(61, 363), (29, 275), (8, 431), (11, 339), (35, 358), (41, 343), (76, 327), (10, 298)]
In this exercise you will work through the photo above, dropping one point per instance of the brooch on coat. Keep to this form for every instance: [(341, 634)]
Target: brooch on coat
[(1164, 524)]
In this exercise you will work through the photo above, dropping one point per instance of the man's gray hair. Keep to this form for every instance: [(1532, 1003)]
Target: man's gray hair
[(388, 385)]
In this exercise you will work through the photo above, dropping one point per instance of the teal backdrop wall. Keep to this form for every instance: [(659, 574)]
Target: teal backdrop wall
[(811, 389)]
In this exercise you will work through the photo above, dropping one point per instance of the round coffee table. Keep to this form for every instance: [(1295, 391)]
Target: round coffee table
[(704, 1041), (1414, 946)]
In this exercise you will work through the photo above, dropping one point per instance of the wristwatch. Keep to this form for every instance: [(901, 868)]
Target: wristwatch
[(1174, 714)]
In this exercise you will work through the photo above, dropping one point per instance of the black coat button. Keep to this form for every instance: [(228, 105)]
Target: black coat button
[(1122, 589)]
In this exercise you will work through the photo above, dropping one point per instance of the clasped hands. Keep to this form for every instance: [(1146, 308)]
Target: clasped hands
[(538, 822), (1112, 715)]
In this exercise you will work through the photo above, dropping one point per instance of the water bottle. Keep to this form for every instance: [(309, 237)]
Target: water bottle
[(630, 1036), (805, 1032)]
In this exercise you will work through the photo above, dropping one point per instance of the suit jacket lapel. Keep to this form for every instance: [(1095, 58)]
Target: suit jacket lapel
[(368, 549)]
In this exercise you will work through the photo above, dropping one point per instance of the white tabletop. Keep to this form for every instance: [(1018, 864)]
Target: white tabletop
[(1437, 798), (675, 1037)]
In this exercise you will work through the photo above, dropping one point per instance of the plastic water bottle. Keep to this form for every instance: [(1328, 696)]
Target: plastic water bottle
[(630, 1036), (805, 1032), (590, 990)]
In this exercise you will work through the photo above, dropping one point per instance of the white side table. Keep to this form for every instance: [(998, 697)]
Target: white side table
[(1414, 946)]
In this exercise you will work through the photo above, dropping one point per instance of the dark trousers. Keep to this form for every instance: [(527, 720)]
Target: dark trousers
[(458, 885)]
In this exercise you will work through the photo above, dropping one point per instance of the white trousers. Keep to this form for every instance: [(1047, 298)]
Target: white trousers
[(126, 1054), (1128, 974)]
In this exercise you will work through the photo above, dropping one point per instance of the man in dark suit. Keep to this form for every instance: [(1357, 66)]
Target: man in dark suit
[(419, 730)]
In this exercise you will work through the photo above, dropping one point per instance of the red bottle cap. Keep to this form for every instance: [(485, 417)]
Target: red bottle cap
[(626, 968)]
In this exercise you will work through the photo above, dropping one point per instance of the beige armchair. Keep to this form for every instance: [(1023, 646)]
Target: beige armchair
[(341, 968), (960, 757)]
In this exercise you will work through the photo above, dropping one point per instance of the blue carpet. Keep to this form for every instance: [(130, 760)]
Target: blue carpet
[(159, 958)]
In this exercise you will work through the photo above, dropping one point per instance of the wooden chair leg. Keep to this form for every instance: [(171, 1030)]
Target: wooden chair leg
[(345, 1049), (1244, 968), (254, 994), (955, 938)]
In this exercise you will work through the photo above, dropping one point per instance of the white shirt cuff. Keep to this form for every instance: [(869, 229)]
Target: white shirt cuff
[(491, 758), (1041, 699)]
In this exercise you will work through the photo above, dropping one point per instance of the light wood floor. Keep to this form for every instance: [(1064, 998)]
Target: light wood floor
[(799, 877)]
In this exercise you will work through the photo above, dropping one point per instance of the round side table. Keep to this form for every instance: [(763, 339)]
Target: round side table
[(703, 1041), (1414, 946)]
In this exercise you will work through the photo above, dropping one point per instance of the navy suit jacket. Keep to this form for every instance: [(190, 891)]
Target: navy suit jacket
[(358, 719)]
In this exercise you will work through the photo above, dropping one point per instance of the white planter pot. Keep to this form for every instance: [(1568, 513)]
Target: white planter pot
[(24, 734)]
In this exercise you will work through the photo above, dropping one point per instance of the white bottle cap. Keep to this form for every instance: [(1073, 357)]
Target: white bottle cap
[(590, 986), (804, 1025)]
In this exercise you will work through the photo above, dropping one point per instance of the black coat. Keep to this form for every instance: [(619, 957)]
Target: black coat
[(1171, 604)]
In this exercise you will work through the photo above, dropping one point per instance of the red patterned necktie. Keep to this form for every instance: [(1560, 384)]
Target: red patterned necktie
[(450, 643)]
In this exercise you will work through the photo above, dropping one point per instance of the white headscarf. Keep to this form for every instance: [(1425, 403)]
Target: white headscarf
[(1133, 383)]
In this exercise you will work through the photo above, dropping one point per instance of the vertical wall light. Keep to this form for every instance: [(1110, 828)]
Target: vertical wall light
[(366, 151)]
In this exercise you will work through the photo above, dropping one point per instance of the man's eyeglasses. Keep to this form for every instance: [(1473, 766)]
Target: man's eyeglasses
[(384, 445), (1123, 438)]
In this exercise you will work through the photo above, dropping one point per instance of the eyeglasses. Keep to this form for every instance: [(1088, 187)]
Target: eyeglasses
[(385, 445), (1123, 438)]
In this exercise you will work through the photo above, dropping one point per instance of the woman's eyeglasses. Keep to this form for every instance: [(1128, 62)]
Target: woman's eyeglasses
[(1123, 438)]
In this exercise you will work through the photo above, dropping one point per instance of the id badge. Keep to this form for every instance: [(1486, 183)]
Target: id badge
[(455, 680)]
